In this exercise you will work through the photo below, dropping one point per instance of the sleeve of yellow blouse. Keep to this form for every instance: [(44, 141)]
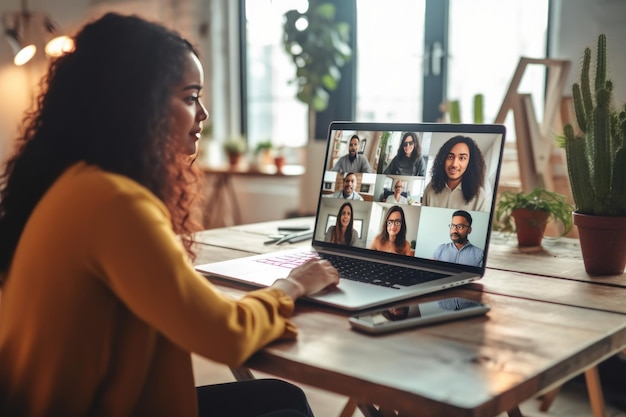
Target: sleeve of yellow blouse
[(285, 306), (136, 253)]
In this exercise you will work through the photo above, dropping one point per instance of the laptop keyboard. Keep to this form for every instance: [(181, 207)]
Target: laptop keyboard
[(391, 276)]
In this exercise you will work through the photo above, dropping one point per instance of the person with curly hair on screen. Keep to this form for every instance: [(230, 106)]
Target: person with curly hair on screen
[(458, 177)]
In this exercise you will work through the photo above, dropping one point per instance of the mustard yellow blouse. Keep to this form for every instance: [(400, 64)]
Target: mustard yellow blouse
[(102, 308)]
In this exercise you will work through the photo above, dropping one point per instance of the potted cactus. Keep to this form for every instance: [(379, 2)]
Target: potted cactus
[(596, 162)]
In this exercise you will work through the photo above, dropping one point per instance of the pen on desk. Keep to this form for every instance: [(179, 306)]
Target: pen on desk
[(296, 237), (273, 238), (297, 228), (301, 237)]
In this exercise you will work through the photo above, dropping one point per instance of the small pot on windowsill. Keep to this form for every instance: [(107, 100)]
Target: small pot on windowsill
[(279, 161), (234, 147), (233, 159)]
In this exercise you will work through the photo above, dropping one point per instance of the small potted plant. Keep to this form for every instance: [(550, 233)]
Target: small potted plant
[(264, 153), (528, 213), (596, 161), (279, 159), (234, 148)]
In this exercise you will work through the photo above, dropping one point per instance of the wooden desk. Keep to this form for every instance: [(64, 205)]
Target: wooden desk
[(557, 259), (542, 330)]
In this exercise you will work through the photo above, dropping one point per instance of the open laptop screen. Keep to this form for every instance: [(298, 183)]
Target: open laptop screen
[(424, 192)]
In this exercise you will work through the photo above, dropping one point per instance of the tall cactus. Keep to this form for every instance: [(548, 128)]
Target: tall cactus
[(596, 158)]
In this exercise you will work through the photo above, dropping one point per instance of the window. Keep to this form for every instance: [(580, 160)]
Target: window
[(475, 49), (273, 112), (486, 40), (390, 39)]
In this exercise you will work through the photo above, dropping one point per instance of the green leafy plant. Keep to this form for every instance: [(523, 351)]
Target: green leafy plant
[(235, 145), (596, 156), (318, 46), (540, 199), (263, 146), (384, 139)]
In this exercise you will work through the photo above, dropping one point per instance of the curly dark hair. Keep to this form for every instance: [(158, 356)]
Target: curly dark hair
[(105, 103), (401, 237), (474, 176), (417, 147)]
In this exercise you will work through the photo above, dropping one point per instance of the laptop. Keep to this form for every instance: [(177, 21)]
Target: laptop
[(406, 221)]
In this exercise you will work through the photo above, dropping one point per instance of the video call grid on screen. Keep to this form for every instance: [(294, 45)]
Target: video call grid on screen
[(427, 227)]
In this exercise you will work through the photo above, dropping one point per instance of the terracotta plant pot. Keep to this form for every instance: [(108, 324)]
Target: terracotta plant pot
[(530, 225), (280, 163), (233, 159), (602, 243)]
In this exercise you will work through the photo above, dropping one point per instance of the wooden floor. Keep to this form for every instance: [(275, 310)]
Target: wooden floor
[(570, 402)]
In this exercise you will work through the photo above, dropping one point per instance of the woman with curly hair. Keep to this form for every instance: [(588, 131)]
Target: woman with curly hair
[(101, 306), (409, 159), (392, 237), (458, 177), (343, 231)]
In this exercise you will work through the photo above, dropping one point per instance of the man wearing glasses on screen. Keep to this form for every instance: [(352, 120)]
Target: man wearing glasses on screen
[(460, 250)]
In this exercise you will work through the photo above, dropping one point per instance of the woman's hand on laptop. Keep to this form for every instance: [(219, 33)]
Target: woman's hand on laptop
[(308, 278)]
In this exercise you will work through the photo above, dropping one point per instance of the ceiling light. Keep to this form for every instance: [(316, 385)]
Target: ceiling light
[(57, 44), (25, 30), (22, 53)]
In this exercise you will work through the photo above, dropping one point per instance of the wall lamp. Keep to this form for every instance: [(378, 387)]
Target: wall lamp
[(25, 29)]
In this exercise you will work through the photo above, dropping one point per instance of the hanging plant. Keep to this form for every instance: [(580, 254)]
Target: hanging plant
[(319, 47)]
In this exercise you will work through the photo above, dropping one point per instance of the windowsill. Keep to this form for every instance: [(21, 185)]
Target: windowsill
[(244, 168)]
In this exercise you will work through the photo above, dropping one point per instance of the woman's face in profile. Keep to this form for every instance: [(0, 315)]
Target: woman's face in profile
[(186, 108), (346, 216)]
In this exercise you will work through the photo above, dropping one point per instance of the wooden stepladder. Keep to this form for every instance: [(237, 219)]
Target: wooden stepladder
[(535, 140)]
